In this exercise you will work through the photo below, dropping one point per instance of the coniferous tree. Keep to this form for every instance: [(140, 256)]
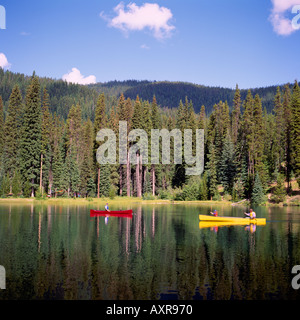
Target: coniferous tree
[(191, 124), (218, 125), (99, 123), (225, 120), (12, 134), (227, 165), (203, 188), (279, 134), (258, 134), (248, 129), (137, 117), (125, 113), (147, 126), (72, 173), (269, 147), (116, 171), (147, 188), (17, 183), (5, 186), (104, 180), (212, 172), (236, 114), (166, 172), (242, 183), (287, 123), (58, 131), (279, 193), (258, 195), (137, 123), (181, 116), (87, 167), (1, 142), (295, 130), (202, 118), (155, 125), (46, 127), (31, 136), (91, 188), (59, 180), (1, 130), (74, 142), (74, 130), (185, 119)]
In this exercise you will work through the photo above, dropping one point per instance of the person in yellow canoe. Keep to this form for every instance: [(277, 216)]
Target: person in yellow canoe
[(215, 213), (251, 214)]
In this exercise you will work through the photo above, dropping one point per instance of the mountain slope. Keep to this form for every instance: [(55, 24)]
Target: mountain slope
[(168, 94)]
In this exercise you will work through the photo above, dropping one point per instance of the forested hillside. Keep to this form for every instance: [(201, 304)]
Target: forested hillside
[(116, 88), (62, 95), (168, 94), (48, 143)]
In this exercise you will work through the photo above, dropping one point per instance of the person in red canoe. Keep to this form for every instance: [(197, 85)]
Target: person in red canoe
[(106, 208), (215, 213)]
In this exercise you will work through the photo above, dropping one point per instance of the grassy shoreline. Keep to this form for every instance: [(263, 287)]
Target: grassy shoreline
[(116, 200), (126, 200)]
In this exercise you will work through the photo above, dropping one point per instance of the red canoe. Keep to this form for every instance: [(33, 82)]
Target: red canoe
[(119, 213)]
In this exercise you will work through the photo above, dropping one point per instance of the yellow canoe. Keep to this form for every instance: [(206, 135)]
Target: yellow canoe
[(216, 225), (231, 220)]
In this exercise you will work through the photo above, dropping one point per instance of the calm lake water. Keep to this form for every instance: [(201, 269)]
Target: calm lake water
[(60, 252)]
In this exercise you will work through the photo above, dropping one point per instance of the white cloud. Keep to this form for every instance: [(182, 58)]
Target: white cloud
[(25, 34), (283, 5), (281, 24), (145, 47), (76, 77), (137, 18), (4, 64)]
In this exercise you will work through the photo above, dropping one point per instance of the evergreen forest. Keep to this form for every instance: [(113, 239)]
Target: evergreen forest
[(48, 144)]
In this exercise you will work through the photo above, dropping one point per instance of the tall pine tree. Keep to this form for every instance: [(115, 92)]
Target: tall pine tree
[(31, 136), (1, 131), (155, 125), (137, 123), (258, 195), (1, 142), (46, 128), (212, 172), (279, 134), (227, 165), (58, 167), (259, 134), (287, 124), (12, 133), (87, 168), (295, 130), (248, 131), (100, 123), (235, 115)]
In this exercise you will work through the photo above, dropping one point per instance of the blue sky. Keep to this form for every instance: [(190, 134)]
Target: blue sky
[(215, 43)]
